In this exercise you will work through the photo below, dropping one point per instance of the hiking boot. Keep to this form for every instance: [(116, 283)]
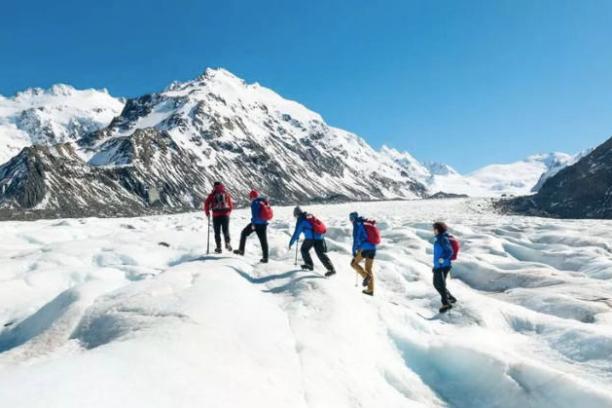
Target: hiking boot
[(367, 292), (445, 308), (307, 267), (218, 250), (330, 273), (239, 252), (263, 260), (366, 281), (228, 247)]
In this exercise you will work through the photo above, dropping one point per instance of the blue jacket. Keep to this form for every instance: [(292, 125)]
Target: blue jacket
[(360, 238), (256, 211), (304, 226), (442, 250)]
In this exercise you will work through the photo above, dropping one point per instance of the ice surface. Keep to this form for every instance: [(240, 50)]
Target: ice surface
[(130, 312)]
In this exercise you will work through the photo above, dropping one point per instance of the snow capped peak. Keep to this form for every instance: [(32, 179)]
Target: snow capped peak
[(54, 115), (405, 160), (220, 74)]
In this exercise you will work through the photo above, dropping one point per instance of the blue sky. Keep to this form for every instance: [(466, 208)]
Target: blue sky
[(463, 82)]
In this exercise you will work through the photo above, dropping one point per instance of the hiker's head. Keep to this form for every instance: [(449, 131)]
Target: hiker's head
[(439, 228), (253, 195), (353, 216), (218, 186), (298, 212)]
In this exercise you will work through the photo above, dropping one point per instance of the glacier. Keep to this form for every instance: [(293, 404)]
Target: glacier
[(132, 312)]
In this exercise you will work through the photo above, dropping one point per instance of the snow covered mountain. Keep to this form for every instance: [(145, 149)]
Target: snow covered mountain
[(581, 190), (175, 143), (495, 180), (55, 115)]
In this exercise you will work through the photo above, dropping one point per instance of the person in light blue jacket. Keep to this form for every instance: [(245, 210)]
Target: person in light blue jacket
[(312, 239), (257, 225), (442, 264), (363, 249)]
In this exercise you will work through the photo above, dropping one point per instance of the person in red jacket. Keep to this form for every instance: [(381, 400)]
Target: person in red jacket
[(220, 203)]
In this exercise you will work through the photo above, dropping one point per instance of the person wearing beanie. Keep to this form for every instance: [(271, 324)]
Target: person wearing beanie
[(220, 203), (442, 264), (314, 234), (258, 224), (363, 249)]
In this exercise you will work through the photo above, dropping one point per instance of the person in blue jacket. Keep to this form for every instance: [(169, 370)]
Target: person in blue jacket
[(363, 249), (257, 225), (442, 264), (311, 239)]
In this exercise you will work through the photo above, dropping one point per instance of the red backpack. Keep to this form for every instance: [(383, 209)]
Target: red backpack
[(372, 232), (317, 225), (455, 245), (265, 211)]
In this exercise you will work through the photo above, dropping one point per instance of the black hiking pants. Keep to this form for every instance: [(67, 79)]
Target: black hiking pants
[(320, 249), (262, 234), (439, 282), (221, 222)]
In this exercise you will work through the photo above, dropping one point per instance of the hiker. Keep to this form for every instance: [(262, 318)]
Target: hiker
[(220, 203), (261, 213), (314, 231), (365, 238), (442, 264)]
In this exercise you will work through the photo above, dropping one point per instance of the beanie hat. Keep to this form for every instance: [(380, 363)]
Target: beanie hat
[(253, 194), (297, 211)]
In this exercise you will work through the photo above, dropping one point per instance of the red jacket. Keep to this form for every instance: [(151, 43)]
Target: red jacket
[(208, 204)]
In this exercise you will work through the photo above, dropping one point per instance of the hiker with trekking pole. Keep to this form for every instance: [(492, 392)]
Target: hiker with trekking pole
[(366, 236), (314, 237), (220, 203)]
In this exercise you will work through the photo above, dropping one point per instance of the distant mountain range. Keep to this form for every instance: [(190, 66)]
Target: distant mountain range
[(69, 152), (581, 190)]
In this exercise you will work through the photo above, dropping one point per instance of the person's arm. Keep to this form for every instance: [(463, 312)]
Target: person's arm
[(299, 227), (230, 201), (207, 206), (254, 208)]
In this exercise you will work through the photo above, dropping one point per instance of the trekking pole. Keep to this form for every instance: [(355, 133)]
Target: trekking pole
[(296, 252), (208, 238)]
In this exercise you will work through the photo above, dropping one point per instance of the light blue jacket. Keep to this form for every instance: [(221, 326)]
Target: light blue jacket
[(304, 226), (256, 211), (442, 251), (360, 238)]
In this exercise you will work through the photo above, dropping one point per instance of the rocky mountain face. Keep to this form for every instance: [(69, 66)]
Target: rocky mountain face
[(50, 116), (582, 190), (164, 150)]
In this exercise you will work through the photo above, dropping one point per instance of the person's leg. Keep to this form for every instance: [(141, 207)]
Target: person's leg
[(217, 222), (248, 230), (449, 296), (440, 284), (225, 227), (262, 234), (369, 263), (319, 246), (305, 250), (355, 264)]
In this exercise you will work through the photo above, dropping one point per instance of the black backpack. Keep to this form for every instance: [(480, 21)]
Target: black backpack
[(220, 202)]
